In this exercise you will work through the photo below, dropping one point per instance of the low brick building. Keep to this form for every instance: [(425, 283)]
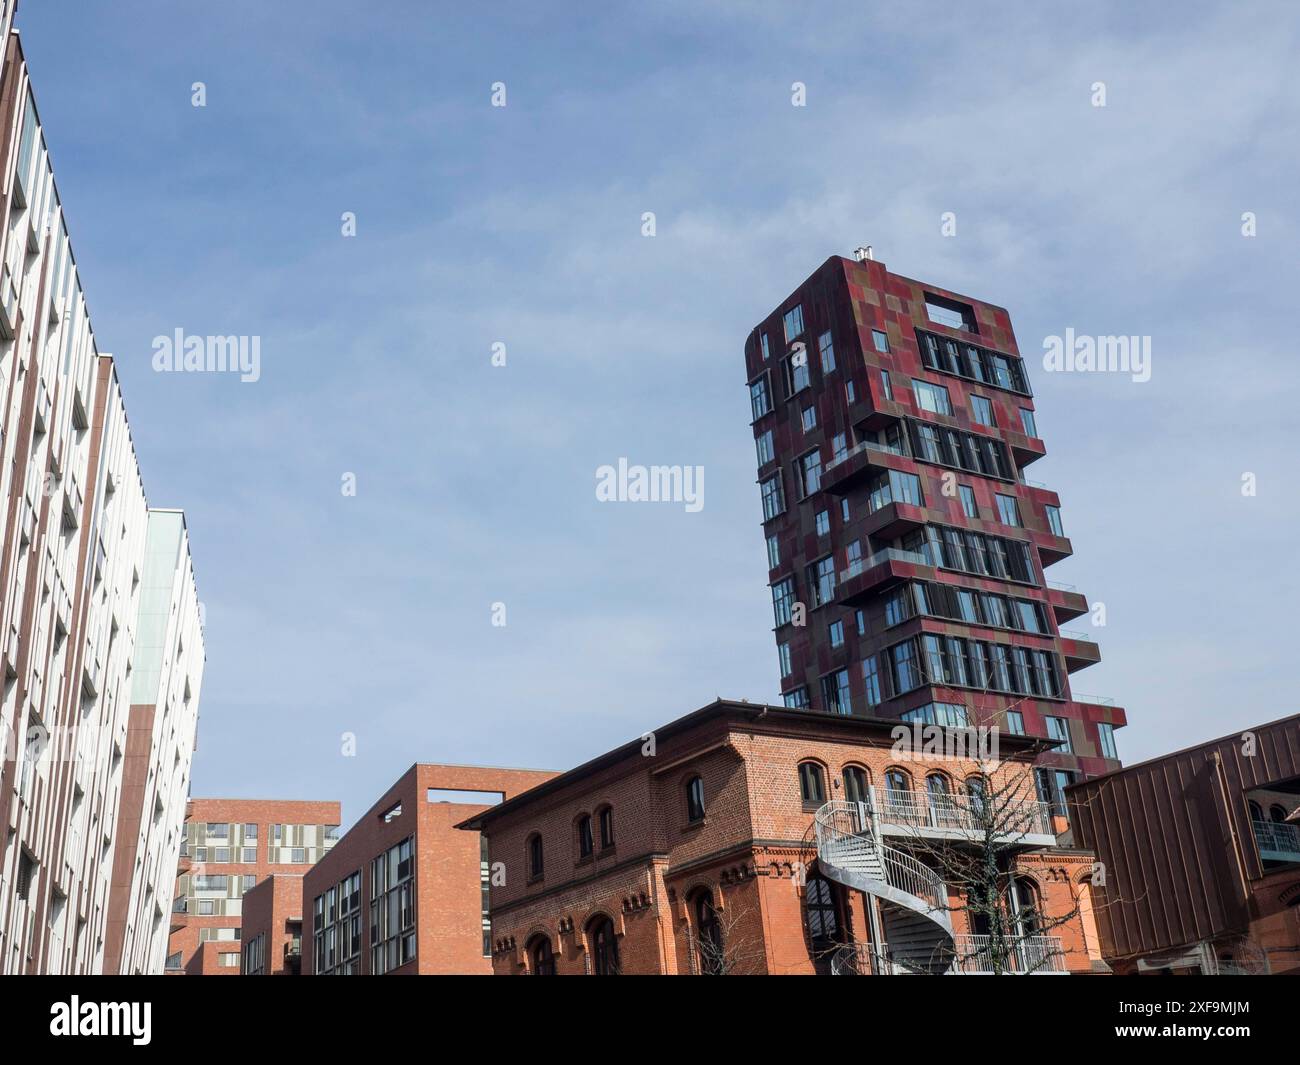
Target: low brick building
[(271, 927), (230, 845), (1202, 855), (403, 891), (753, 839)]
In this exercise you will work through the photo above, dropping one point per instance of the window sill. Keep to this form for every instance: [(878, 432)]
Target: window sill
[(691, 826)]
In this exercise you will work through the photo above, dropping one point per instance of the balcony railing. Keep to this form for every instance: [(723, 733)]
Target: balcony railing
[(888, 554), (1277, 842), (865, 445), (1025, 955), (970, 814)]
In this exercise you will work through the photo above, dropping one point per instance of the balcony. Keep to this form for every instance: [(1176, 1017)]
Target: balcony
[(1021, 956), (921, 815), (1277, 842), (1051, 549), (1078, 650), (865, 576), (1024, 449), (860, 463), (1066, 602)]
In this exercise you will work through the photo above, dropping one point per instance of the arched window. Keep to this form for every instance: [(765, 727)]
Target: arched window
[(604, 946), (1276, 814), (896, 780), (855, 783), (820, 913), (541, 957), (606, 828), (708, 935), (1256, 812), (695, 799), (939, 797), (812, 783), (1024, 905), (585, 844), (536, 859), (936, 784), (977, 795)]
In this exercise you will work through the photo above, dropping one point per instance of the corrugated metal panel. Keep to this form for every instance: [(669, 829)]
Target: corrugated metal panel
[(1165, 829)]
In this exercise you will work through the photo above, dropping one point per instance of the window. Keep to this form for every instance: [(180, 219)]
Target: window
[(808, 419), (1057, 729), (604, 947), (950, 313), (871, 680), (783, 653), (964, 359), (1015, 722), (220, 855), (839, 447), (773, 552), (844, 510), (968, 505), (933, 398), (808, 471), (796, 373), (218, 831), (250, 832), (821, 579), (951, 715), (763, 445), (1054, 520), (850, 392), (822, 523), (836, 633), (767, 350), (586, 845), (981, 410), (606, 828), (392, 906), (793, 322), (812, 784), (1027, 420), (894, 487), (886, 387), (855, 783), (540, 955), (760, 398), (827, 351), (907, 673), (773, 497), (1051, 785), (1106, 735), (835, 692), (695, 799), (797, 699), (708, 935), (26, 872), (897, 780), (536, 857), (1007, 510), (880, 340), (783, 601)]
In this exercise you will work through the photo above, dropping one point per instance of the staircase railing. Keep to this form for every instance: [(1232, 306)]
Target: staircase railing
[(1023, 954), (845, 832), (967, 813)]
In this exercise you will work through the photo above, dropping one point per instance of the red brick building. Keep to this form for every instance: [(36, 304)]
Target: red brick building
[(230, 846), (403, 891), (753, 839), (1201, 852), (271, 925)]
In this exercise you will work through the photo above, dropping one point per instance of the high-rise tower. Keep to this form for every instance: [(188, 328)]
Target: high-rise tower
[(907, 552)]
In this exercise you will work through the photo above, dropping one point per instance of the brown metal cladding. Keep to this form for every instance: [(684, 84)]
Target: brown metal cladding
[(1175, 840)]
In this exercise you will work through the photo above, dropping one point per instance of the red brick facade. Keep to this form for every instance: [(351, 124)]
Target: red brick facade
[(271, 941), (187, 927), (754, 849), (446, 917)]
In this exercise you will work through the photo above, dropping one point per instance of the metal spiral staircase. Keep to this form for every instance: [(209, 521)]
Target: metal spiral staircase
[(917, 930)]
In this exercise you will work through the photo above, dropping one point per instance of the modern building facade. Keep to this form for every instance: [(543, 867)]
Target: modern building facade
[(271, 927), (230, 846), (747, 839), (405, 892), (91, 767), (1201, 853), (907, 553)]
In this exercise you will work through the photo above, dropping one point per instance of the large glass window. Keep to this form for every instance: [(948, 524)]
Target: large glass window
[(1007, 510), (809, 471), (835, 692), (981, 410), (783, 601), (894, 487), (827, 352), (1106, 734), (793, 322), (933, 398), (763, 445), (773, 497), (392, 907), (760, 398), (812, 783)]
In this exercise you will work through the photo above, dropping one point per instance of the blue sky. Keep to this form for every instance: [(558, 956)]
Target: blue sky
[(371, 614)]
